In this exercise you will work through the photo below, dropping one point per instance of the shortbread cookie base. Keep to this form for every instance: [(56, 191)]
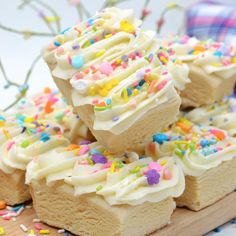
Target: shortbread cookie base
[(90, 214), (151, 122), (205, 89), (13, 188), (210, 187)]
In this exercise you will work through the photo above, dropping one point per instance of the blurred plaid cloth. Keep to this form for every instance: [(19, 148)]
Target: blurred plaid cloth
[(212, 19)]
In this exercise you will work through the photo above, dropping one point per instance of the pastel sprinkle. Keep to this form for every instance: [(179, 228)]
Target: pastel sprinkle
[(106, 68), (84, 150), (115, 118), (155, 166), (99, 158), (153, 177), (25, 144), (37, 226), (44, 231), (77, 61), (160, 138), (167, 174)]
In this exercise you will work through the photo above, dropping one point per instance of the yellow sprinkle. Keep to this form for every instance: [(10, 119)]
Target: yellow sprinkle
[(44, 231), (92, 91), (101, 22), (216, 64), (185, 121), (118, 61), (163, 59), (108, 85), (6, 133), (100, 53), (125, 95), (103, 92), (2, 123), (234, 60), (113, 167), (115, 82), (108, 36), (31, 231), (60, 39), (163, 163), (29, 119), (2, 231), (125, 26), (135, 92)]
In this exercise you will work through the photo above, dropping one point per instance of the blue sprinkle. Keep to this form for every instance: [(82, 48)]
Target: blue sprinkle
[(129, 91), (77, 62), (218, 53), (141, 82), (57, 43), (160, 138), (233, 221), (65, 30), (217, 230), (92, 41), (90, 21), (108, 101), (16, 208), (2, 118), (66, 234), (204, 143), (138, 87), (45, 137), (94, 151)]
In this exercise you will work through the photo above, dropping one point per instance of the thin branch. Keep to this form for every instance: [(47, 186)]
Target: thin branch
[(23, 32), (9, 82)]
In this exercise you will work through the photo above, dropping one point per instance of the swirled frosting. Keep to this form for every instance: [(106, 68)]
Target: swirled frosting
[(196, 148), (116, 67), (51, 105), (220, 114), (213, 57), (122, 179), (22, 142)]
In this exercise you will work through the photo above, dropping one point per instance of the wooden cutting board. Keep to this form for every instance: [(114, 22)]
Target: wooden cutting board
[(184, 222)]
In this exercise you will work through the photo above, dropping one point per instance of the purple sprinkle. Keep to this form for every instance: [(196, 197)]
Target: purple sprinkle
[(153, 177), (84, 142), (115, 118), (124, 58), (99, 158), (140, 74), (76, 47), (41, 14), (233, 108)]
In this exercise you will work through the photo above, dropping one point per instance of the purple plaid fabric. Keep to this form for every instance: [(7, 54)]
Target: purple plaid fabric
[(212, 19)]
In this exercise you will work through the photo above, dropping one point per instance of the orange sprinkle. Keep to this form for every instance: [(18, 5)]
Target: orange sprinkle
[(199, 48), (146, 78), (184, 127), (218, 134), (2, 204), (101, 104), (152, 147), (86, 71), (72, 147), (47, 90), (48, 107), (150, 89)]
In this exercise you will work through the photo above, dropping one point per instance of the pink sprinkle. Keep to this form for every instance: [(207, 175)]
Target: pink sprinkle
[(78, 76), (167, 174), (219, 148), (83, 162), (69, 60), (10, 145), (226, 62), (124, 65), (161, 85), (84, 150), (106, 68), (96, 38), (2, 213), (148, 70), (93, 68), (37, 226), (95, 101), (60, 50), (6, 217), (156, 166), (106, 165)]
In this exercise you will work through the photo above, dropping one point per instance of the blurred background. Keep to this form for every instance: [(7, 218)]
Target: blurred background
[(19, 49)]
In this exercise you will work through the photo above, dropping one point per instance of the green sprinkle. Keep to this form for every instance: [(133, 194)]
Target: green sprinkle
[(25, 144), (179, 152), (59, 116), (99, 187), (100, 108), (135, 170)]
